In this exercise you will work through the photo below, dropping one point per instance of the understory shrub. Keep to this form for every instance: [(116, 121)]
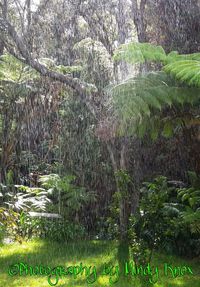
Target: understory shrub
[(168, 218), (55, 229)]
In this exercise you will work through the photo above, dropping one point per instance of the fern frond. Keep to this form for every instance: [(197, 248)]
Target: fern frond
[(193, 219), (185, 68), (174, 56), (145, 52), (141, 98), (185, 71), (171, 209), (139, 53)]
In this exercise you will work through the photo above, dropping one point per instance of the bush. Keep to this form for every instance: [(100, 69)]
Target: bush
[(9, 222), (162, 222), (61, 230), (54, 229)]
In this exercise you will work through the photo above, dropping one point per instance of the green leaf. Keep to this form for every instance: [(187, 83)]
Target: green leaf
[(168, 129)]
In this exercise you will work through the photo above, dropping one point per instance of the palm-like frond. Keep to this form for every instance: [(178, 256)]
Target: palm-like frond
[(139, 101), (185, 71), (192, 218), (28, 198), (72, 195), (185, 68), (172, 209), (139, 53)]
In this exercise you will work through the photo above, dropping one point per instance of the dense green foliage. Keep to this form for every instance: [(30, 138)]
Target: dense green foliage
[(140, 101), (50, 228), (175, 219), (99, 127)]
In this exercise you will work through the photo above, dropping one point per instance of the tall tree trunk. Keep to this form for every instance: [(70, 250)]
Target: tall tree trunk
[(129, 197), (4, 15), (29, 36), (7, 144), (122, 36), (138, 18), (178, 25)]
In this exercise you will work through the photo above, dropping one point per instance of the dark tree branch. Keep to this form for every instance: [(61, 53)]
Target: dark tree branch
[(87, 92)]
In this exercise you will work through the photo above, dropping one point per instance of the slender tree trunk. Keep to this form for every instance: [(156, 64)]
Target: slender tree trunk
[(120, 163), (7, 144), (4, 15), (122, 35), (29, 36)]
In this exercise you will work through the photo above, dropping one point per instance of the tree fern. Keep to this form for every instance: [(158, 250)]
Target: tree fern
[(185, 68), (138, 103)]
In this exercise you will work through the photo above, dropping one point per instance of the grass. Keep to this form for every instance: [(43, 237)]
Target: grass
[(90, 253)]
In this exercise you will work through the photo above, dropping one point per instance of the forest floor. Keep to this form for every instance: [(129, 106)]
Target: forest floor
[(100, 255)]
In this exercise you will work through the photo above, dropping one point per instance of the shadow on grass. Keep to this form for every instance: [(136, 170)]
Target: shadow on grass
[(42, 252), (52, 254), (90, 253)]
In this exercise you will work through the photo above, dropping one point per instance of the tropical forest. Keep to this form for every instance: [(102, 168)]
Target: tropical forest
[(100, 143)]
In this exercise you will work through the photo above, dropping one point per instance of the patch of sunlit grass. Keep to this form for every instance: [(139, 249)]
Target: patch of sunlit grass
[(90, 253)]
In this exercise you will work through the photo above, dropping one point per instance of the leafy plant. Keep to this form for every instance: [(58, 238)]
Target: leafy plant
[(172, 232), (184, 67), (141, 251), (111, 227), (55, 229), (17, 201), (191, 196), (140, 102), (24, 198), (187, 71), (9, 224), (69, 197)]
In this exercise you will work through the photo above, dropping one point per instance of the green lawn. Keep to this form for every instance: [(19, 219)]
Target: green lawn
[(90, 253)]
